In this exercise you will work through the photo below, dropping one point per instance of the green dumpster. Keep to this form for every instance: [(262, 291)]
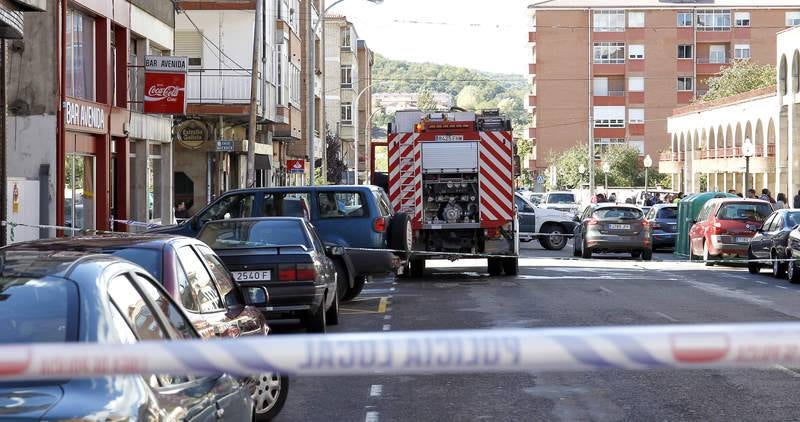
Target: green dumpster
[(688, 209)]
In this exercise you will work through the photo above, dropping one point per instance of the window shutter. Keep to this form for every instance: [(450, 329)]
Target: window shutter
[(189, 43)]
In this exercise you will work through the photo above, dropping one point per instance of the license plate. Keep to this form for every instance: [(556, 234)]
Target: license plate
[(449, 138), (252, 275), (742, 240), (619, 226)]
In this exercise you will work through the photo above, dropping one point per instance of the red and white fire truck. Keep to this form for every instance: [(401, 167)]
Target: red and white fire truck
[(452, 173)]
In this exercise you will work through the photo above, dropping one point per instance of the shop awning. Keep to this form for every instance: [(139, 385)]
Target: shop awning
[(263, 162)]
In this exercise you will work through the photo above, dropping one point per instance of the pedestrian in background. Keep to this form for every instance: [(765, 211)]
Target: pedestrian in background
[(767, 196), (780, 202), (751, 194), (733, 192), (796, 203)]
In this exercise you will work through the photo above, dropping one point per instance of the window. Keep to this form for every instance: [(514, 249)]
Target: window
[(717, 54), (609, 53), (131, 304), (286, 205), (685, 51), (636, 51), (294, 83), (231, 206), (180, 327), (190, 44), (792, 18), (188, 300), (636, 115), (741, 51), (685, 83), (602, 145), (742, 19), (609, 116), (200, 280), (609, 20), (340, 204), (227, 235), (149, 259), (636, 83), (714, 20), (347, 42), (223, 278), (33, 311), (347, 76), (684, 19), (80, 55), (744, 212), (123, 331), (347, 113), (635, 19)]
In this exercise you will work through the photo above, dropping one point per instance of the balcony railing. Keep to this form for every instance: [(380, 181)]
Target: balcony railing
[(713, 60), (729, 152), (671, 156), (219, 86)]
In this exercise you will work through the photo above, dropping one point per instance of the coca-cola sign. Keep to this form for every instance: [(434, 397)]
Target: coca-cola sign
[(165, 85)]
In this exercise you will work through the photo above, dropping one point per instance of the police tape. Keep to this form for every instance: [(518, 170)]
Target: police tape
[(757, 345), (80, 230), (135, 223)]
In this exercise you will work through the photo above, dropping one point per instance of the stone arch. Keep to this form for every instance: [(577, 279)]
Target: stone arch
[(796, 72), (721, 141), (712, 139), (759, 139), (782, 75), (771, 132), (729, 139), (738, 139)]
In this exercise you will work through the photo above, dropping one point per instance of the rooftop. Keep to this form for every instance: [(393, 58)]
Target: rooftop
[(671, 4), (726, 101)]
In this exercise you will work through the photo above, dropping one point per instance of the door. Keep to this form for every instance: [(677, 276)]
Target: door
[(759, 244), (344, 218), (527, 216)]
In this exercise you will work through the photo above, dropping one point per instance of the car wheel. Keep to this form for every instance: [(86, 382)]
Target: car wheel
[(778, 268), (316, 322), (586, 252), (647, 255), (636, 254), (753, 267), (416, 268), (511, 266), (707, 255), (269, 395), (495, 266), (553, 242), (358, 285), (401, 236), (792, 272), (575, 251), (342, 279), (332, 317)]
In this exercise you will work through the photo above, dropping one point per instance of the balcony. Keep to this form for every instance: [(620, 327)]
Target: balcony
[(671, 156), (216, 4), (609, 98), (218, 86), (711, 65), (531, 101)]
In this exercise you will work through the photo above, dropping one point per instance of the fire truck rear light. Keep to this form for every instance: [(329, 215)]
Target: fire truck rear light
[(287, 272), (493, 233), (306, 272), (379, 225), (419, 128)]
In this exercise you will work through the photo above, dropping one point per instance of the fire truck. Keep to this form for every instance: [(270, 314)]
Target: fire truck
[(452, 174)]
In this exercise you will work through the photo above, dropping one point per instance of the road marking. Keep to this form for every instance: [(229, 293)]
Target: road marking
[(375, 390), (761, 282), (377, 291), (351, 311), (361, 299), (372, 416), (788, 371), (605, 290), (665, 316), (782, 287), (382, 305), (387, 327)]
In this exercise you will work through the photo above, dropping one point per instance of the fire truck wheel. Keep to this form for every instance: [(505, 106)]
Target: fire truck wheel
[(352, 292), (417, 268), (511, 266), (495, 266), (400, 235)]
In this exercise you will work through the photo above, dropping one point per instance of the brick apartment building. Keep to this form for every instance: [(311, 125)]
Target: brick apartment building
[(633, 62)]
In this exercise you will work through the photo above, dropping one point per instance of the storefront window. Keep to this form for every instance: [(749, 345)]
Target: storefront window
[(154, 184), (133, 179), (80, 55), (79, 191)]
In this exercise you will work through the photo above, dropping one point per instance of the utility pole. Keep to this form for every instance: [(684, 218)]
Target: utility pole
[(254, 80), (311, 114)]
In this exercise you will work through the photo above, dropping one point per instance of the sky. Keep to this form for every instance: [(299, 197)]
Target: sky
[(489, 35)]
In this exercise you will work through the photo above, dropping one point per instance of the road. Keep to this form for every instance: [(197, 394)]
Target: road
[(553, 289)]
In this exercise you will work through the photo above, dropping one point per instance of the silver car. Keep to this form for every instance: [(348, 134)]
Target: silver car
[(613, 228)]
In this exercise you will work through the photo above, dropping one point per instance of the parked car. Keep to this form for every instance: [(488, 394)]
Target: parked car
[(663, 219), (285, 255), (792, 255), (348, 216), (725, 226), (613, 228), (59, 297), (196, 279), (560, 201), (533, 219), (771, 242)]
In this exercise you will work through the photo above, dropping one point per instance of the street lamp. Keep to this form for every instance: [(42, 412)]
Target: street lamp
[(311, 53), (581, 170), (606, 169), (648, 162), (748, 150)]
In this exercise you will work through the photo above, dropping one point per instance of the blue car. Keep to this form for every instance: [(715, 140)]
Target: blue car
[(663, 219), (358, 218)]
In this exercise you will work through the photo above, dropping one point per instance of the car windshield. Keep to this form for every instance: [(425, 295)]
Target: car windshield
[(792, 219), (668, 213), (149, 259), (561, 198), (744, 212), (617, 214), (36, 310), (254, 234)]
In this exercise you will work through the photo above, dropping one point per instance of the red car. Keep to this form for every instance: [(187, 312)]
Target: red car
[(725, 226)]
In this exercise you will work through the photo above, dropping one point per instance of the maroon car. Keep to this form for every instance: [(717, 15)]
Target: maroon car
[(197, 280)]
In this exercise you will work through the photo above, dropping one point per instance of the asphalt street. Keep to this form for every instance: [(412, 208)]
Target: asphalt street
[(554, 289)]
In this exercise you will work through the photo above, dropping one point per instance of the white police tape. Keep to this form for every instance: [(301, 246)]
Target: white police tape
[(135, 223), (757, 345)]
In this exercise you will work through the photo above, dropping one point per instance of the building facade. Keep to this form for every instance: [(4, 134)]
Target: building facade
[(310, 22), (348, 97), (634, 62), (80, 154), (705, 149)]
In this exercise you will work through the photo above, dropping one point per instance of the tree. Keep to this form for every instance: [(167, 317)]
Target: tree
[(566, 165), (624, 166), (469, 97), (336, 166), (426, 102), (741, 76)]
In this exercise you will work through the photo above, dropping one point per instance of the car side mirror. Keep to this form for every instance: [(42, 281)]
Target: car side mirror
[(255, 295)]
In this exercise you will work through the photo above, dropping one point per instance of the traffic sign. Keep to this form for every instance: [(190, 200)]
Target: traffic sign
[(296, 166), (540, 179)]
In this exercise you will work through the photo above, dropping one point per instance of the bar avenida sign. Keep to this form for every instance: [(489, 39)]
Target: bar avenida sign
[(165, 84)]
